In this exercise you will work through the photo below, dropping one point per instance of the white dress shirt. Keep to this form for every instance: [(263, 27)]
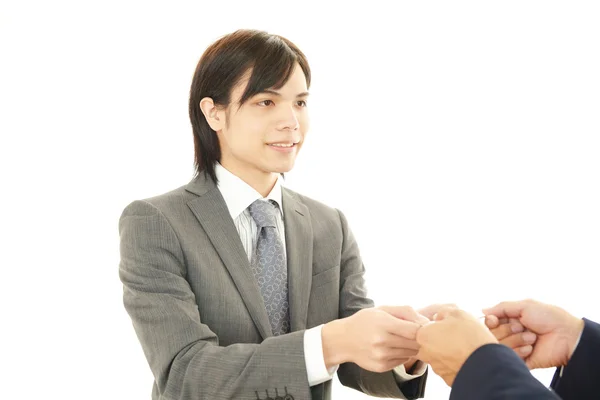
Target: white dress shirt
[(238, 196)]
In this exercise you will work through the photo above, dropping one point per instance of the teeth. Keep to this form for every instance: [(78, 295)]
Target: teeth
[(282, 144)]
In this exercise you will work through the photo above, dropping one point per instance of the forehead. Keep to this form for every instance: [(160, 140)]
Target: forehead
[(294, 84)]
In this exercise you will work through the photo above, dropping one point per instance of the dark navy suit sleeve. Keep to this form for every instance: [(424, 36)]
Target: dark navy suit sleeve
[(581, 377), (495, 372)]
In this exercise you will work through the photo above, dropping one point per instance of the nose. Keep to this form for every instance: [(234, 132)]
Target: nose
[(289, 120)]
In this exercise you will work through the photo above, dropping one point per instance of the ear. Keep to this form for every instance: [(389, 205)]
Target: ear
[(214, 116)]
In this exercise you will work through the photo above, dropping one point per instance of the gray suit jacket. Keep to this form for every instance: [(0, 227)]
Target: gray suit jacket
[(198, 311)]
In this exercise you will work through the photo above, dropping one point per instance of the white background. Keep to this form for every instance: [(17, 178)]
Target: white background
[(461, 139)]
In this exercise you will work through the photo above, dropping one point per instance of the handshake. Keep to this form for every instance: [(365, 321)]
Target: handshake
[(443, 336)]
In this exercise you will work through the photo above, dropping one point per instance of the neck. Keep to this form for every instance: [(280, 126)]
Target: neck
[(261, 181)]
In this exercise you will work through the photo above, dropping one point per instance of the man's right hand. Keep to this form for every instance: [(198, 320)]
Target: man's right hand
[(557, 331), (377, 339)]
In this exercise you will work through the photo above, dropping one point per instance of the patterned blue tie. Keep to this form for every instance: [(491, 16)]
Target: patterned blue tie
[(270, 267)]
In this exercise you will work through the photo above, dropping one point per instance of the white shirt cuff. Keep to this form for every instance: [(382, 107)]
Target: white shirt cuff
[(314, 358), (403, 376)]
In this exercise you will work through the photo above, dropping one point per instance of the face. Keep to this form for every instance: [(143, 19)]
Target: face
[(263, 137)]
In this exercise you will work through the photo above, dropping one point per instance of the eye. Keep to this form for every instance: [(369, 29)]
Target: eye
[(265, 103), (301, 103)]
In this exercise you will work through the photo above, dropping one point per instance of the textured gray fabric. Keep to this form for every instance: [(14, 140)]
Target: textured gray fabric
[(269, 266), (198, 312)]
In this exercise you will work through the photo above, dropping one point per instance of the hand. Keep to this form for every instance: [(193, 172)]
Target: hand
[(417, 317), (510, 332), (377, 339), (450, 340), (557, 330), (429, 313)]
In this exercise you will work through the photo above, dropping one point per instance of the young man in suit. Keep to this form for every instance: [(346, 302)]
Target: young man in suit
[(466, 354), (239, 288)]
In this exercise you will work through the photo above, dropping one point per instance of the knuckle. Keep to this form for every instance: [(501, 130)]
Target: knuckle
[(378, 340)]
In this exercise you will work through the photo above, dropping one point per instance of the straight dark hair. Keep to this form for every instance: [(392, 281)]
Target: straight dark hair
[(271, 58)]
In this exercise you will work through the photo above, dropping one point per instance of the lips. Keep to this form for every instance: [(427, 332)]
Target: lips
[(283, 145)]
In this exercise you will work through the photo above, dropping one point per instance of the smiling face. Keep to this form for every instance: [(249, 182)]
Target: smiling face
[(262, 137)]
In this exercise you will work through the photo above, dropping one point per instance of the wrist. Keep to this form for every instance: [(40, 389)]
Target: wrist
[(476, 342), (333, 338)]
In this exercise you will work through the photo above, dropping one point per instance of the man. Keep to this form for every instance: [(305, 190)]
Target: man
[(239, 288), (467, 355)]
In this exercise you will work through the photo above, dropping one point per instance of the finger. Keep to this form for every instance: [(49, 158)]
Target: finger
[(424, 333), (491, 321), (397, 342), (406, 313), (524, 351), (403, 329), (401, 353), (519, 340), (422, 320), (505, 330), (506, 309)]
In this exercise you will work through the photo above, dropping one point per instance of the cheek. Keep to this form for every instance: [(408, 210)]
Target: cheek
[(245, 136), (304, 128), (304, 121), (248, 145)]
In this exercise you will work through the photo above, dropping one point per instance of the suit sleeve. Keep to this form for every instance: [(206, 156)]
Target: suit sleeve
[(495, 372), (353, 297), (183, 353), (581, 376)]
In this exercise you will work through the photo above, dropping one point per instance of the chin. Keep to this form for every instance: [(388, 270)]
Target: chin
[(281, 169)]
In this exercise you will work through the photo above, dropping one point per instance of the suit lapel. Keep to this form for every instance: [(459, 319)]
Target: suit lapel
[(299, 250), (212, 213)]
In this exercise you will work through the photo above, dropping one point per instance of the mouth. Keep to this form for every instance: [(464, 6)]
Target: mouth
[(284, 145)]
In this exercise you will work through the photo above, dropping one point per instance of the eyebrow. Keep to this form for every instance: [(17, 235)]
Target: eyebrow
[(276, 93)]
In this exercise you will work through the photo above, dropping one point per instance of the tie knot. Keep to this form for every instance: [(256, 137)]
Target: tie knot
[(264, 213)]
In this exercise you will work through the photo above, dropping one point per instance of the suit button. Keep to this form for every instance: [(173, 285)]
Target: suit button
[(287, 395)]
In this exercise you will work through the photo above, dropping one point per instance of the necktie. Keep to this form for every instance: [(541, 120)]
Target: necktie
[(269, 266)]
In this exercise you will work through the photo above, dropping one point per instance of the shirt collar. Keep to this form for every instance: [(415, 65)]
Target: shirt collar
[(238, 195)]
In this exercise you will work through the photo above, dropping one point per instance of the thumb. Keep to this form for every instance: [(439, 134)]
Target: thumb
[(506, 309)]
